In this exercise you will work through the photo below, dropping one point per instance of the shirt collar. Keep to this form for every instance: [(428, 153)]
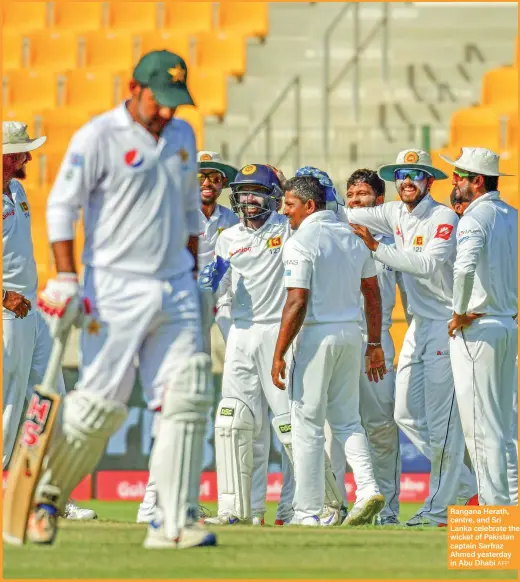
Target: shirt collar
[(422, 208), (216, 213), (493, 195), (320, 216), (123, 119)]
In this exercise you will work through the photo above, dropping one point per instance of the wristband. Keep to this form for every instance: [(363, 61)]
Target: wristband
[(374, 344)]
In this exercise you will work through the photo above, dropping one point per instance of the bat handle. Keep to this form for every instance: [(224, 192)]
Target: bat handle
[(53, 370)]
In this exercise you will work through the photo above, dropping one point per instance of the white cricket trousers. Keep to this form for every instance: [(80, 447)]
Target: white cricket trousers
[(27, 349), (426, 411), (324, 385), (483, 360), (247, 377)]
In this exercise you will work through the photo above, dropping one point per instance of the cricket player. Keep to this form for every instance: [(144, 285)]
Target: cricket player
[(27, 342), (213, 176), (425, 404), (321, 322), (365, 189), (248, 261), (459, 205), (133, 172), (483, 326)]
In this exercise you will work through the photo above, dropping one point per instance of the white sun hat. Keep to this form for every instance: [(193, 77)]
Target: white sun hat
[(413, 159), (213, 161), (15, 139), (479, 161)]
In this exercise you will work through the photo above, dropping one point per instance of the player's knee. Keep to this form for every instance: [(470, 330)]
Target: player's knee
[(190, 395), (89, 414)]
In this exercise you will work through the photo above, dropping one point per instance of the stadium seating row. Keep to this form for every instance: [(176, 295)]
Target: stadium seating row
[(245, 18)]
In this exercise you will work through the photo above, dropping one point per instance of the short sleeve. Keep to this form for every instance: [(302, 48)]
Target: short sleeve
[(298, 267), (369, 268)]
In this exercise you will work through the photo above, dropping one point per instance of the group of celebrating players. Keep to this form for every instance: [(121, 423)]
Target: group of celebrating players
[(301, 282)]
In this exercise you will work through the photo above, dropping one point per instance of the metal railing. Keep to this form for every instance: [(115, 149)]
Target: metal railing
[(330, 82), (267, 125)]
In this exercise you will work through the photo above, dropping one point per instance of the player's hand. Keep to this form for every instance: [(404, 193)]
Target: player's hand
[(375, 366), (61, 304), (17, 303), (277, 372), (365, 235), (461, 321)]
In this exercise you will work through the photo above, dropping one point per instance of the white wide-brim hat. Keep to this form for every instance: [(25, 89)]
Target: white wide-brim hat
[(413, 159), (213, 161), (479, 161), (16, 140)]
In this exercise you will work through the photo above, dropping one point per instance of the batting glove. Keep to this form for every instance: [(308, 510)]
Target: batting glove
[(61, 304)]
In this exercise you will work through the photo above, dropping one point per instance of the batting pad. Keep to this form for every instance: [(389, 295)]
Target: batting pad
[(333, 496), (282, 427), (177, 453), (234, 428), (89, 420)]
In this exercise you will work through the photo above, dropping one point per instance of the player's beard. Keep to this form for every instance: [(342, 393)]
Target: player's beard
[(464, 193), (211, 200), (20, 174), (421, 191)]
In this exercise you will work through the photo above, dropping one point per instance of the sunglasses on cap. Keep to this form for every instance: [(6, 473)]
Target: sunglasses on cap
[(414, 175), (213, 177)]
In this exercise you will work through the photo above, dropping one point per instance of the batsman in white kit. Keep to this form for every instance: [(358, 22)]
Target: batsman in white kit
[(376, 400), (483, 327), (214, 175), (425, 403), (27, 343), (133, 172), (325, 268)]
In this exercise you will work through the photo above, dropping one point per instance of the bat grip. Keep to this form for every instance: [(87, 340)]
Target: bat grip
[(50, 379)]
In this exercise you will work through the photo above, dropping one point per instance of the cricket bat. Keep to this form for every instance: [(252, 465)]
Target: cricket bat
[(31, 448)]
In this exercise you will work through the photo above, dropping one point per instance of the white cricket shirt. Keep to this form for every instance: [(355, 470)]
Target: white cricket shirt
[(140, 197), (255, 273), (486, 267), (424, 251), (19, 267), (324, 256), (210, 230)]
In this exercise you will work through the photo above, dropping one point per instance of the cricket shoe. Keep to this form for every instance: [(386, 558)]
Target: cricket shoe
[(258, 520), (191, 536), (309, 521), (72, 511), (282, 522), (419, 520), (226, 518), (472, 500), (387, 520), (42, 526), (364, 512), (333, 515)]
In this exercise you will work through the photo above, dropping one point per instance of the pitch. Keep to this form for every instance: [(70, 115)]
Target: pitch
[(112, 548)]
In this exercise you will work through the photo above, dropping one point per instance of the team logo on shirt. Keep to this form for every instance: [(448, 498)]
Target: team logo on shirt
[(93, 327), (183, 155), (444, 231), (274, 242), (220, 230), (134, 158), (25, 208)]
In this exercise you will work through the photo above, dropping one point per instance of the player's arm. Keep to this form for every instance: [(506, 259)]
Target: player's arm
[(192, 197), (298, 274), (471, 239), (404, 297), (374, 357), (378, 219)]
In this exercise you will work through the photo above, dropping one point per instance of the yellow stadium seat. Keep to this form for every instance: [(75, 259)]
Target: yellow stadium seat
[(168, 40), (245, 18), (209, 91), (500, 89), (476, 127), (31, 89), (54, 51), (109, 51), (188, 17), (133, 16), (221, 52), (90, 91), (78, 16), (12, 49), (195, 119), (59, 125), (49, 162), (24, 16)]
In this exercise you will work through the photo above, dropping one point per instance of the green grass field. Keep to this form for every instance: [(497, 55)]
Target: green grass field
[(111, 547)]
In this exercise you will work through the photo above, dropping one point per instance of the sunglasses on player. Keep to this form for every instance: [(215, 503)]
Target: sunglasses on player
[(414, 175), (213, 177), (460, 175)]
